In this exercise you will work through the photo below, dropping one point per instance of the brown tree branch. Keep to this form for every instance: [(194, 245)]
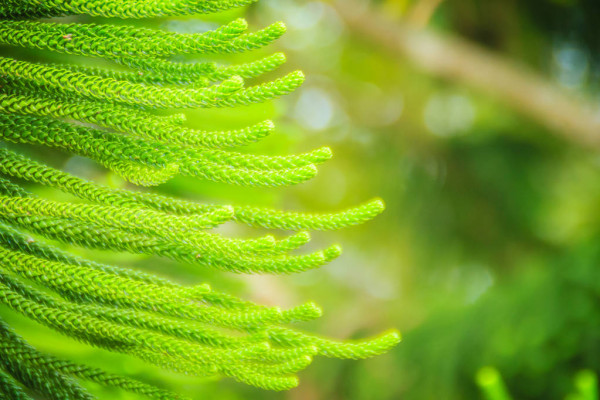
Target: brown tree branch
[(466, 63)]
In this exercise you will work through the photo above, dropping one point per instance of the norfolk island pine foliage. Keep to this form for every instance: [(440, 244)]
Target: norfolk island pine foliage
[(125, 118)]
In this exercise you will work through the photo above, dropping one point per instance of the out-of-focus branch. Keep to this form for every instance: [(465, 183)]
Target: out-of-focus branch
[(422, 12), (457, 59)]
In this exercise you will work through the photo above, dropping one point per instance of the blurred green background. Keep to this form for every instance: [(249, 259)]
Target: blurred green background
[(474, 120)]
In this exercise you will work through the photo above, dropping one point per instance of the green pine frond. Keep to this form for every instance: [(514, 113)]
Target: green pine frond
[(10, 388), (121, 9), (109, 115)]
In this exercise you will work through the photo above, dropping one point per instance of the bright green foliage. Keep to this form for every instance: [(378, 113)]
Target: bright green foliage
[(32, 362), (586, 385), (125, 9), (188, 329), (491, 384)]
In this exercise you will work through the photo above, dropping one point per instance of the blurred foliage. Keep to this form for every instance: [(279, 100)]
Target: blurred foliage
[(489, 250)]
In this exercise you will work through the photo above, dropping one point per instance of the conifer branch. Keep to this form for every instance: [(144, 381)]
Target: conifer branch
[(121, 9), (108, 115)]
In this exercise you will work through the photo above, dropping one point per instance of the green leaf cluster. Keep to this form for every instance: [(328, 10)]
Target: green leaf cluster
[(110, 116)]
